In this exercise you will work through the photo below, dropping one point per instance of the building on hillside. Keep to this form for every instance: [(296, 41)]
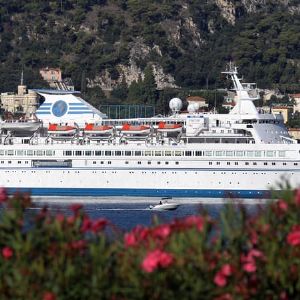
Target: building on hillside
[(296, 97), (25, 101), (294, 133), (197, 99), (228, 103), (54, 78), (285, 111)]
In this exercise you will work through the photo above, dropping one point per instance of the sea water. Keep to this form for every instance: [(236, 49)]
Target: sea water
[(128, 212)]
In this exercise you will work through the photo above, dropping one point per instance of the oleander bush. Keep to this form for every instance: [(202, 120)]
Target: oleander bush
[(243, 256)]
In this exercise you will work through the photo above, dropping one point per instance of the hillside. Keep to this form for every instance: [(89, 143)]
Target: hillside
[(182, 43)]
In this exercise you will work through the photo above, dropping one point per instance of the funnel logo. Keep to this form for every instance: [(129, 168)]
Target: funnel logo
[(59, 108)]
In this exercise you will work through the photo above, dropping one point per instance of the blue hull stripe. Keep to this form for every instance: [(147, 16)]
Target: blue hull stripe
[(143, 192)]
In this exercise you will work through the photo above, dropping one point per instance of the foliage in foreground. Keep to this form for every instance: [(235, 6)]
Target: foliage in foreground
[(245, 256)]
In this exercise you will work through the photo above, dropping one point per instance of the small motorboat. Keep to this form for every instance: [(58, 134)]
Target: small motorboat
[(165, 127), (164, 205)]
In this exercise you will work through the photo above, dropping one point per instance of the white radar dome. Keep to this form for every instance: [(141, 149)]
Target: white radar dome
[(175, 104), (193, 107)]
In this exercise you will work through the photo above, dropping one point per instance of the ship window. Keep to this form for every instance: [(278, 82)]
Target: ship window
[(138, 153), (19, 162), (19, 152), (68, 153), (94, 162), (1, 152), (198, 153), (147, 153), (29, 152), (109, 162), (158, 162), (88, 153), (270, 153), (149, 162), (295, 164), (188, 153), (127, 153), (239, 153), (273, 164), (98, 153), (218, 163), (157, 153), (168, 153), (102, 162), (219, 153), (281, 153), (166, 162), (236, 163), (176, 163), (210, 163), (228, 163), (250, 153), (118, 153), (9, 161), (26, 162), (49, 152), (108, 153), (284, 164), (2, 162), (39, 152), (10, 152), (208, 153), (78, 153), (139, 163), (265, 163), (257, 153), (246, 163), (229, 153), (178, 153)]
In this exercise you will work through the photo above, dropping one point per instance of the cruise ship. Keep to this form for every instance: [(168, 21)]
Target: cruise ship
[(77, 151)]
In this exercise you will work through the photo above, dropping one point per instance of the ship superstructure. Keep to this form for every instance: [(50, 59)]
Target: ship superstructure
[(241, 154)]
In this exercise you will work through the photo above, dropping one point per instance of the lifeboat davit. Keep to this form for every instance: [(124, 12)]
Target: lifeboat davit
[(165, 127), (135, 129), (98, 129), (61, 129)]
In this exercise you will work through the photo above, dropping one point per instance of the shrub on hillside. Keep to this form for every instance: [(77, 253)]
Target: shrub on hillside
[(244, 256)]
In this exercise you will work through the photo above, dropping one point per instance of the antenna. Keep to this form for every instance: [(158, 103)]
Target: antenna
[(22, 76)]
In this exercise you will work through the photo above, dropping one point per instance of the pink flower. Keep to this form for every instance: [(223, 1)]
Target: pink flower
[(99, 225), (49, 296), (226, 270), (282, 205), (155, 259), (293, 238), (86, 224), (194, 221), (76, 208), (130, 239), (226, 296), (7, 253), (220, 279), (3, 195), (161, 231), (78, 245), (249, 267)]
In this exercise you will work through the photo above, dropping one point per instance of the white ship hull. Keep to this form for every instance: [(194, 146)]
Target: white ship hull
[(157, 176)]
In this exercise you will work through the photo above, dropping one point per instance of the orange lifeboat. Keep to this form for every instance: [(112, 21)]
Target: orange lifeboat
[(61, 129), (91, 128), (135, 129), (165, 127)]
